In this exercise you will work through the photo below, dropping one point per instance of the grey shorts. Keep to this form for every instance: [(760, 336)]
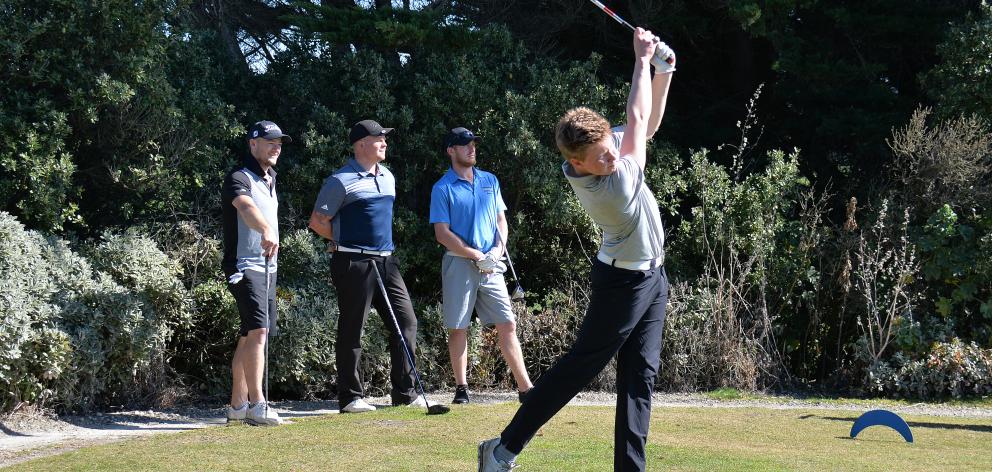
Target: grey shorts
[(464, 289)]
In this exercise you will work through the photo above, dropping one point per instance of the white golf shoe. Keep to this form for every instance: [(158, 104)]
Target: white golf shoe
[(237, 414), (357, 405), (488, 462), (419, 402), (261, 414)]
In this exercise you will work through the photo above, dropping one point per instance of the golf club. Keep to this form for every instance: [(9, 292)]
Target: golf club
[(518, 291), (432, 409), (612, 15), (622, 21), (265, 362)]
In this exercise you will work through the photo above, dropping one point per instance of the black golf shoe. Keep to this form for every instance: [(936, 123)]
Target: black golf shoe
[(461, 395)]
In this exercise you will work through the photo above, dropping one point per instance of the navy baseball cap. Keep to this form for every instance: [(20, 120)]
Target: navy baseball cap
[(268, 130), (367, 128), (459, 137)]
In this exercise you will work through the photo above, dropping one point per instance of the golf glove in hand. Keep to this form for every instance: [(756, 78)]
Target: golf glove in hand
[(490, 264), (663, 59)]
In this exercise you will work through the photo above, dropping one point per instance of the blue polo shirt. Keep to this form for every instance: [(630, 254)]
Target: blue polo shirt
[(470, 209), (360, 205)]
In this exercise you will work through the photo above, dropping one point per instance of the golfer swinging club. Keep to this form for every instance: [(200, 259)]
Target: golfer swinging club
[(251, 237), (626, 313), (467, 211)]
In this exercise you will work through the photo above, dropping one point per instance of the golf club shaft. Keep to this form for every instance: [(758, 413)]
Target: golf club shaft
[(506, 252), (612, 15), (396, 324), (622, 21), (265, 368)]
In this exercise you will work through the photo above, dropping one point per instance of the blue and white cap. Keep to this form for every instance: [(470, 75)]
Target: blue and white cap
[(268, 130)]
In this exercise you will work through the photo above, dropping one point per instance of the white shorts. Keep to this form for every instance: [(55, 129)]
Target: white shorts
[(464, 289)]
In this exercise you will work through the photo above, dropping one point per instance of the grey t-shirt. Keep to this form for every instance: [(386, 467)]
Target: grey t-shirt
[(623, 207)]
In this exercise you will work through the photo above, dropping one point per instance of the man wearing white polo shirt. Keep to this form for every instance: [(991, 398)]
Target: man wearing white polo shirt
[(468, 215), (354, 210)]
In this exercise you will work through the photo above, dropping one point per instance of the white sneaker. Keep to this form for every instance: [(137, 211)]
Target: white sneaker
[(488, 462), (261, 414), (237, 414), (420, 402), (357, 405)]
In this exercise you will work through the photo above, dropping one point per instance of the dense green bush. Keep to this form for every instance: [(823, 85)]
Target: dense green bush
[(962, 82), (112, 119)]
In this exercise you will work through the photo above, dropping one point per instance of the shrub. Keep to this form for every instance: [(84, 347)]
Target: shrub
[(954, 369), (134, 260), (202, 354), (121, 321), (302, 355), (34, 350)]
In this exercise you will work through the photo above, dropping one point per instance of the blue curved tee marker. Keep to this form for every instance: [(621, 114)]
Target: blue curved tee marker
[(882, 418)]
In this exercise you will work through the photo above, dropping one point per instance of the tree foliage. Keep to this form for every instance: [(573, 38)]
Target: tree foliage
[(120, 119)]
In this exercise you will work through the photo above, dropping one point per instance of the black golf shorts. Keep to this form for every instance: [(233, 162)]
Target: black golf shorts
[(249, 293)]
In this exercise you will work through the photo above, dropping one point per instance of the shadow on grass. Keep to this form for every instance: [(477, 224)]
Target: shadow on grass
[(980, 428)]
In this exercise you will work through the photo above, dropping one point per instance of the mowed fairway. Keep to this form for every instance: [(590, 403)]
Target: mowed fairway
[(580, 438)]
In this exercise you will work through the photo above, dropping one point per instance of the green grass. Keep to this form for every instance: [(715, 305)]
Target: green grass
[(578, 439), (724, 393)]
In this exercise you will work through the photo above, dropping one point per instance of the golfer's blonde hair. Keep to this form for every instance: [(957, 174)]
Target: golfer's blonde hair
[(579, 128)]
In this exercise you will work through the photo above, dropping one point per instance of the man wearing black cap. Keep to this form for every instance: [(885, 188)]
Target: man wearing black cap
[(251, 241), (354, 211), (468, 214)]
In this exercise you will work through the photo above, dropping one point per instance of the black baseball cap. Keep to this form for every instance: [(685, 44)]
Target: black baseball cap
[(367, 128), (267, 130), (459, 137)]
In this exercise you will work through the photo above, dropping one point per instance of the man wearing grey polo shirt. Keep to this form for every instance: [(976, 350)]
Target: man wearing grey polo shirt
[(467, 212), (629, 289), (354, 210)]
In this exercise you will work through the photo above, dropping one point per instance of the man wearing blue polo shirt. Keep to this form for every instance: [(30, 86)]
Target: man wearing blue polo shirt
[(467, 212), (354, 210)]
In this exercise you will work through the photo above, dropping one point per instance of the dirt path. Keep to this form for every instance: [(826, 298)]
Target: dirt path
[(28, 435)]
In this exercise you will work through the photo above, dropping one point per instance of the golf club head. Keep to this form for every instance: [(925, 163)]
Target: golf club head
[(437, 409), (518, 293)]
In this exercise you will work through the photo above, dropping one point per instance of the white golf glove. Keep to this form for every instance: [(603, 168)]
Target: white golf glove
[(490, 264), (663, 59)]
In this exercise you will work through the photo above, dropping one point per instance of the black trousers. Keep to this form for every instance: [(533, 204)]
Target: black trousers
[(626, 319), (357, 290)]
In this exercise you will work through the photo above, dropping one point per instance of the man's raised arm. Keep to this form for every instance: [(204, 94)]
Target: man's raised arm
[(639, 104)]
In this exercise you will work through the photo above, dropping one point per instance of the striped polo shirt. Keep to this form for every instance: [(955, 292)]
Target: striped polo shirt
[(243, 245), (360, 205)]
